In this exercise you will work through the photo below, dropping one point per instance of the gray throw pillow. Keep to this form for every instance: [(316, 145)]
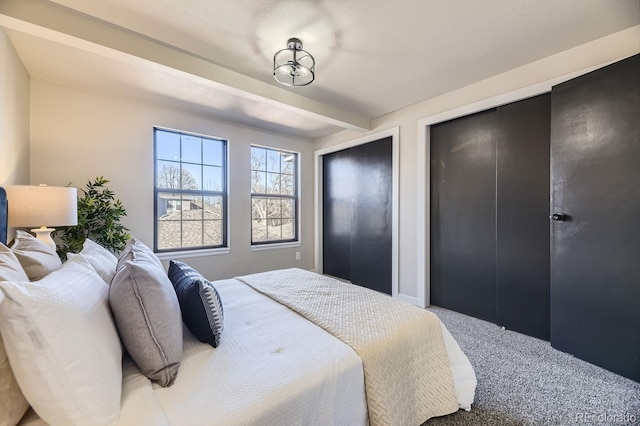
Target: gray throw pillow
[(147, 314), (136, 248)]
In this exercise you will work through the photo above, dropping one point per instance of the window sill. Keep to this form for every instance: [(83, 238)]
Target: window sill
[(274, 246), (192, 253)]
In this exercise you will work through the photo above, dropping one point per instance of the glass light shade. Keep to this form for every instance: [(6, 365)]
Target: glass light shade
[(285, 69), (42, 206)]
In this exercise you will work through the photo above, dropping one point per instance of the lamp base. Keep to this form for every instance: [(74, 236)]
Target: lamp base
[(44, 234)]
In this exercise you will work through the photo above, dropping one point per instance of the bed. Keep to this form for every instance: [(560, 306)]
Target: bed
[(273, 367)]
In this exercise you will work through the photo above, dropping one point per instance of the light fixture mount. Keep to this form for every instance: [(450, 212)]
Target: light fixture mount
[(294, 43), (294, 66)]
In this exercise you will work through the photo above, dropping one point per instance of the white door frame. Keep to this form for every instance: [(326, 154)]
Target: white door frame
[(395, 137)]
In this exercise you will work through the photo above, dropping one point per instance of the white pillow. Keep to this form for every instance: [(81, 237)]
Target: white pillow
[(12, 402), (102, 260), (37, 258), (63, 345), (10, 267), (13, 405)]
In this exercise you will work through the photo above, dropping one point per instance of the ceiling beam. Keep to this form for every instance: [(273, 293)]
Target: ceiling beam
[(63, 25)]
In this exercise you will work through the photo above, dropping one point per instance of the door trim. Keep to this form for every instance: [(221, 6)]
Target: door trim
[(394, 133)]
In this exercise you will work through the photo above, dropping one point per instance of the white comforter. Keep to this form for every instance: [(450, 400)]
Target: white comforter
[(272, 367), (407, 373)]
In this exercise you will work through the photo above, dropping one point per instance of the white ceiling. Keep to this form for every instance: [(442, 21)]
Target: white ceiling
[(373, 57)]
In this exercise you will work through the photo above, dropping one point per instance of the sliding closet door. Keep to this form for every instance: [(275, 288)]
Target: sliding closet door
[(357, 214), (489, 215), (371, 220), (595, 251), (463, 215), (337, 175), (522, 218)]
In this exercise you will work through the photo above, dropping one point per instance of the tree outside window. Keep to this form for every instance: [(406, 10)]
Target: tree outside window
[(190, 191), (274, 196)]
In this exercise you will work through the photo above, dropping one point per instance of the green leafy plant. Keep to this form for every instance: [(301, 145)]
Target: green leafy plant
[(99, 214)]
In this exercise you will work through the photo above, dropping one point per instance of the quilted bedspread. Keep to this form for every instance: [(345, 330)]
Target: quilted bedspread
[(406, 368)]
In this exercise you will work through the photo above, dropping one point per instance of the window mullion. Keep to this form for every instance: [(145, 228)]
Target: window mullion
[(263, 162), (186, 229)]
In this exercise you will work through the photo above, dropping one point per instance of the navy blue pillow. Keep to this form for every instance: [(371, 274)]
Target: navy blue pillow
[(199, 301)]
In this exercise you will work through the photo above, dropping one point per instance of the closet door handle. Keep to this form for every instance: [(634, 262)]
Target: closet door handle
[(559, 217)]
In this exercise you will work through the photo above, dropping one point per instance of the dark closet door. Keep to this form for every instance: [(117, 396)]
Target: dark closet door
[(463, 215), (595, 252), (357, 214), (337, 175), (522, 232), (489, 215)]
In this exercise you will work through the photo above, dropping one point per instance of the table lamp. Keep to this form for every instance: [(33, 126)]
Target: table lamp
[(42, 206)]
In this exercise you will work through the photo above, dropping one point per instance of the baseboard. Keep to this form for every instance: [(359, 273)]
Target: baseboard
[(408, 299)]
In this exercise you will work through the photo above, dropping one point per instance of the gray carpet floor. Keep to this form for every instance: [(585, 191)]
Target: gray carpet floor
[(524, 381)]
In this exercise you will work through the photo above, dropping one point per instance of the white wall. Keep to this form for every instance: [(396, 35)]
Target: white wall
[(14, 116), (577, 60), (77, 135)]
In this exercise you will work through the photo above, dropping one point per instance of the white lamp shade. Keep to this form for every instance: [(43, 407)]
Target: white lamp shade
[(42, 206)]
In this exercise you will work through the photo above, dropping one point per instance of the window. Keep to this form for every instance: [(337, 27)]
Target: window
[(190, 191), (274, 196)]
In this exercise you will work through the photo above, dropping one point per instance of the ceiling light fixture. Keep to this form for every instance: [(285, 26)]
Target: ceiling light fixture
[(293, 66)]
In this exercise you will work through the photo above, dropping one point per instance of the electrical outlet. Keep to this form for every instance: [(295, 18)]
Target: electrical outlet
[(297, 255)]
